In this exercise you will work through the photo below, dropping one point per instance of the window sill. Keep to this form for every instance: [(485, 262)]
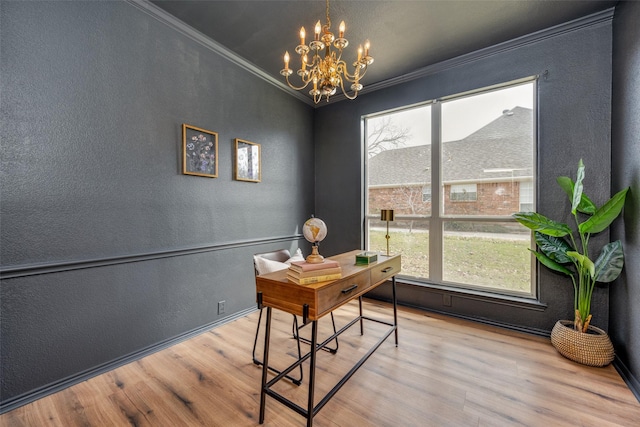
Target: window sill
[(478, 295)]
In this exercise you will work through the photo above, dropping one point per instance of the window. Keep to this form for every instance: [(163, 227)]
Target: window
[(526, 196), (464, 192), (482, 167), (426, 193)]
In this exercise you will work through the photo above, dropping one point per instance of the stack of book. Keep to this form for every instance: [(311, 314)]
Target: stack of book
[(304, 273)]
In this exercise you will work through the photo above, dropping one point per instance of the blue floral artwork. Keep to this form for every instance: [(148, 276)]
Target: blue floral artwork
[(200, 152)]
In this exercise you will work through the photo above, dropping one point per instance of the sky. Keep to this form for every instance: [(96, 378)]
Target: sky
[(462, 116)]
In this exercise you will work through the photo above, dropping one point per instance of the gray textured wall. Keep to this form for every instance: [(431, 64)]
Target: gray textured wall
[(625, 139), (107, 249), (574, 123)]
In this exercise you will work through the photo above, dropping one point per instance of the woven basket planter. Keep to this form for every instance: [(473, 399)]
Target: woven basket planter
[(593, 348)]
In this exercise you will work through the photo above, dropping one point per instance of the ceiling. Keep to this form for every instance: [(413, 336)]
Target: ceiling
[(405, 35)]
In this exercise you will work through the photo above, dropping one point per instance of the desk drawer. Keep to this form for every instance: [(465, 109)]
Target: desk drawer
[(341, 291), (384, 270)]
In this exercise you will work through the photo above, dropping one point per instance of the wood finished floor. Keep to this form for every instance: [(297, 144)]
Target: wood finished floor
[(445, 372)]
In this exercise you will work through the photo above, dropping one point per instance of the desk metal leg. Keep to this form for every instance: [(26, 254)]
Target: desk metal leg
[(312, 410), (361, 319), (312, 372), (265, 366), (395, 307)]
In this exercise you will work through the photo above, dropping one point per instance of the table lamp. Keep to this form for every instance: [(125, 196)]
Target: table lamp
[(387, 215)]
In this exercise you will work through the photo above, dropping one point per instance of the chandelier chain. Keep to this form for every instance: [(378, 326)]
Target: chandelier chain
[(328, 19)]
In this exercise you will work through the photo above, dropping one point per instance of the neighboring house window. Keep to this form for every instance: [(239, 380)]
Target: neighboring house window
[(526, 196), (484, 173), (464, 193), (426, 193)]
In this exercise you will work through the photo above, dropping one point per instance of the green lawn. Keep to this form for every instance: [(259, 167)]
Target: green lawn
[(479, 261)]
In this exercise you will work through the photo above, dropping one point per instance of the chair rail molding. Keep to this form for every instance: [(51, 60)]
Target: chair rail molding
[(11, 272)]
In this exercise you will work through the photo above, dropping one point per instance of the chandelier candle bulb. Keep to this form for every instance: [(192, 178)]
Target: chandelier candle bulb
[(318, 28), (303, 35), (342, 28), (359, 52), (286, 60), (367, 45)]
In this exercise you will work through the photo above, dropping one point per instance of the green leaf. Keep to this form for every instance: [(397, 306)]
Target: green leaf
[(585, 263), (554, 247), (605, 215), (537, 222), (551, 264), (585, 206), (609, 263), (577, 188)]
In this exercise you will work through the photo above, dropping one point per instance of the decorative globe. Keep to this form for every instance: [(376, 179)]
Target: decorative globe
[(314, 230)]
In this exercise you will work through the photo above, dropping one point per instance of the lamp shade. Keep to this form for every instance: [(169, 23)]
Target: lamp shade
[(386, 215)]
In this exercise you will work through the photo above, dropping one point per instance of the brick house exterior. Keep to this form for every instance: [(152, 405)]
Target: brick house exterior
[(495, 161)]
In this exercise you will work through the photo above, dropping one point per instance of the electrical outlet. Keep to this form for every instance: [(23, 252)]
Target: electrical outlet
[(221, 305), (446, 300)]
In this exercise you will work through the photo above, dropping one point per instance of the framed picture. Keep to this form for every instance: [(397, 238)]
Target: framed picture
[(199, 152), (248, 167)]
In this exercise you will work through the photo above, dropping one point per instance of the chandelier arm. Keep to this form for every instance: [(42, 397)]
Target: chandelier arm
[(339, 55), (295, 87), (344, 92), (314, 61), (349, 77), (363, 72)]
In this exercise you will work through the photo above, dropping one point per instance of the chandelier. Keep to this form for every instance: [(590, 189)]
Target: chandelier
[(327, 72)]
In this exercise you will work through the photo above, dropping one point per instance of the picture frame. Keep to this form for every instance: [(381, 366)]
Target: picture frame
[(199, 152), (248, 165)]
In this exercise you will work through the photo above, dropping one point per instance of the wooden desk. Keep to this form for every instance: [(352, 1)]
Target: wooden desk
[(313, 302)]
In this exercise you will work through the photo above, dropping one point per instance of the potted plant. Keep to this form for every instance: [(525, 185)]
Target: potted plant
[(566, 251)]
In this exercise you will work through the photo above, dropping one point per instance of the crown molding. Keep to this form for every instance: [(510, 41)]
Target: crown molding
[(195, 35), (557, 30)]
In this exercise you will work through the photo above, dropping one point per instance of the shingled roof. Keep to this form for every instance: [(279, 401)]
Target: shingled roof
[(505, 143)]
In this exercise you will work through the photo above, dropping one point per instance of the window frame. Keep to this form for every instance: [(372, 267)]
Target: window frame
[(437, 218)]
